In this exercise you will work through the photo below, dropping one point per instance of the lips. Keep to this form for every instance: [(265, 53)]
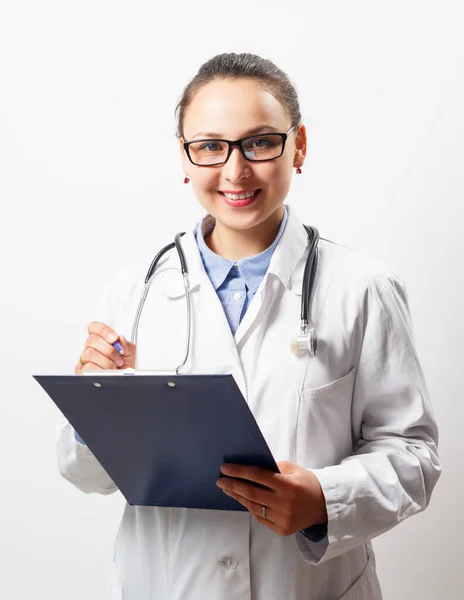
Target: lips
[(238, 192), (239, 203)]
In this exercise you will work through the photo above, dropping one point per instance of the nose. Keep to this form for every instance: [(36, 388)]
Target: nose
[(237, 167)]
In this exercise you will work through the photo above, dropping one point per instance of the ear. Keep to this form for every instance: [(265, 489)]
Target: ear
[(300, 147)]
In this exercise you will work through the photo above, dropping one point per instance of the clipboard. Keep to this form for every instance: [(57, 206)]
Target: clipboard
[(162, 438)]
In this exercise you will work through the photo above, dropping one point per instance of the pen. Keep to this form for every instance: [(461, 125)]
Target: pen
[(118, 347)]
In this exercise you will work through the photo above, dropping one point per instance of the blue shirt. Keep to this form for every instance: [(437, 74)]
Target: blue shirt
[(236, 281)]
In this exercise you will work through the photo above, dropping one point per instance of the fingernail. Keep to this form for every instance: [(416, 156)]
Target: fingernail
[(118, 347), (119, 361)]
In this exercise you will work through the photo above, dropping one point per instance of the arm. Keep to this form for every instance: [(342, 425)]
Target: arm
[(76, 462), (78, 465), (394, 466)]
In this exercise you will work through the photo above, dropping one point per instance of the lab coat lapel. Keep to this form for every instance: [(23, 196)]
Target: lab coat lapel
[(287, 257), (213, 345)]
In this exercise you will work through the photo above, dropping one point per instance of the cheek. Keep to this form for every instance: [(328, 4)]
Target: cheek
[(278, 176), (204, 181)]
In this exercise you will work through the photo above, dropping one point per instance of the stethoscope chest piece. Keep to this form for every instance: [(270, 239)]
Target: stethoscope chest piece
[(305, 342)]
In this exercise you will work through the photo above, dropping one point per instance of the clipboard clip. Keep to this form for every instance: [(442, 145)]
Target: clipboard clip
[(129, 371)]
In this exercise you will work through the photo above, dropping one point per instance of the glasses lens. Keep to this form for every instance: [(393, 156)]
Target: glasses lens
[(262, 147), (208, 152)]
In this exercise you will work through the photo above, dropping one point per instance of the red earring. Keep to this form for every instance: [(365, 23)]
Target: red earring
[(186, 180), (298, 170)]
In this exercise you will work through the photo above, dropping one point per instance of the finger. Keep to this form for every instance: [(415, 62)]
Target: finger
[(248, 491), (91, 355), (127, 346), (256, 510), (103, 330), (89, 366), (256, 474), (108, 350), (79, 368)]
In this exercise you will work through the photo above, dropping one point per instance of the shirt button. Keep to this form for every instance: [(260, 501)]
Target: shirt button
[(237, 296), (228, 562)]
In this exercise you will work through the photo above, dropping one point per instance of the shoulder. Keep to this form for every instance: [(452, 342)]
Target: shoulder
[(122, 292), (363, 287), (356, 270), (131, 272), (351, 271)]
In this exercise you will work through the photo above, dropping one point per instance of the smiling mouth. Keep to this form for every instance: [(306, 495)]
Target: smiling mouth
[(241, 196), (237, 201)]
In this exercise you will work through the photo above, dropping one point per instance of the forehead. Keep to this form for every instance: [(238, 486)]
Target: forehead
[(231, 108)]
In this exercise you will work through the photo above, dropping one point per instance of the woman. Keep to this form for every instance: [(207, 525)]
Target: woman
[(351, 428)]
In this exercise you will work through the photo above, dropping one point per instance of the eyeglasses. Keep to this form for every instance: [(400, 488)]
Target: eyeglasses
[(256, 148)]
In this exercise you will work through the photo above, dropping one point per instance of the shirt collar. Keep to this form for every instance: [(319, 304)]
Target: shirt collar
[(287, 261), (252, 269)]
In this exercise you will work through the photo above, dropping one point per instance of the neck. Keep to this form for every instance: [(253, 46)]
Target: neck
[(235, 244)]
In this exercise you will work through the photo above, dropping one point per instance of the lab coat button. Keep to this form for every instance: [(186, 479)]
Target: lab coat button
[(237, 296), (228, 563)]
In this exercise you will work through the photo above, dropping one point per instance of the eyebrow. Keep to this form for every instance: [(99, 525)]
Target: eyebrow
[(249, 132)]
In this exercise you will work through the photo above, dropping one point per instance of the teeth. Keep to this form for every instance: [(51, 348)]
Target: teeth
[(239, 196)]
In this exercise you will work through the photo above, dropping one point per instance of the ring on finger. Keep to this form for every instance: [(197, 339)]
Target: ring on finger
[(263, 512), (81, 360)]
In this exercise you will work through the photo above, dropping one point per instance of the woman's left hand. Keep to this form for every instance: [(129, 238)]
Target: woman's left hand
[(294, 500)]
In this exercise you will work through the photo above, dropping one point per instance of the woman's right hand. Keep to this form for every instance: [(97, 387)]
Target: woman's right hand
[(99, 353)]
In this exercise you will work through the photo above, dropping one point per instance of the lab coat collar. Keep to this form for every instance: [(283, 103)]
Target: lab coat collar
[(196, 271), (289, 252), (252, 268)]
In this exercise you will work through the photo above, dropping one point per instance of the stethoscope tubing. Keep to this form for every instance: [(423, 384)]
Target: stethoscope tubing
[(306, 293)]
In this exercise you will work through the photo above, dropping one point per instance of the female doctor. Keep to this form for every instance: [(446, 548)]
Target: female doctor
[(351, 427)]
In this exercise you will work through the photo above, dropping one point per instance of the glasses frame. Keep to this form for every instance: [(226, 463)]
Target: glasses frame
[(238, 143)]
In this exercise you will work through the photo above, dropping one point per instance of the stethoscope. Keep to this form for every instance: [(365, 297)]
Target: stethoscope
[(306, 341)]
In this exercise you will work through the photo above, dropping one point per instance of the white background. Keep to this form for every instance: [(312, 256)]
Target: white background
[(90, 176)]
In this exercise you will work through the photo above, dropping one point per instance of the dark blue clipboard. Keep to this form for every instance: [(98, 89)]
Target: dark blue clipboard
[(163, 438)]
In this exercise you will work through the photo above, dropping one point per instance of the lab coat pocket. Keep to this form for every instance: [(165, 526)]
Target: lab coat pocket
[(367, 585), (115, 584), (323, 434)]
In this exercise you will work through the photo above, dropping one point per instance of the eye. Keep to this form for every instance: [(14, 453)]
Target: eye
[(210, 147), (261, 142)]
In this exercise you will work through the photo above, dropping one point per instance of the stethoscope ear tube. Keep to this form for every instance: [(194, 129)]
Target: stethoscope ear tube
[(163, 251), (148, 281), (183, 262), (309, 272)]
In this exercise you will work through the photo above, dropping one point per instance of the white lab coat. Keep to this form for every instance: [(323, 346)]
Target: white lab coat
[(358, 415)]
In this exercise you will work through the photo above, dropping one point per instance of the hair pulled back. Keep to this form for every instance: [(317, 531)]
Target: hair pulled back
[(242, 66)]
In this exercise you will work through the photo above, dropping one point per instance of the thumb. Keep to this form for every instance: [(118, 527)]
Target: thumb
[(129, 351), (286, 467)]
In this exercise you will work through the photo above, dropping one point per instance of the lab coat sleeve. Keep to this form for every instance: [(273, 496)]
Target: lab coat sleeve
[(76, 462), (394, 465), (78, 465)]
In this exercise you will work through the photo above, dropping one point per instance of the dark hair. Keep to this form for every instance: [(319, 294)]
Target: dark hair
[(242, 66)]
